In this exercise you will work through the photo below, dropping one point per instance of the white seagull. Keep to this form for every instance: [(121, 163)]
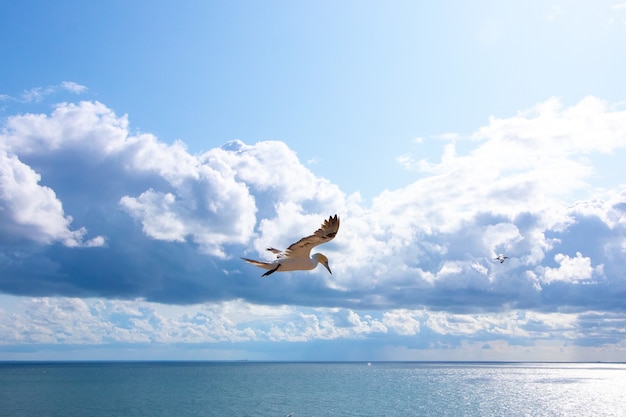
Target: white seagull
[(297, 256), (501, 258)]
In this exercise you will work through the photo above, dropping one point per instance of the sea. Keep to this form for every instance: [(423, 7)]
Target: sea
[(301, 389)]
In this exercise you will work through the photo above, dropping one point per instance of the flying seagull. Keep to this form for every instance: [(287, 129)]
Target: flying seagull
[(501, 258), (297, 256)]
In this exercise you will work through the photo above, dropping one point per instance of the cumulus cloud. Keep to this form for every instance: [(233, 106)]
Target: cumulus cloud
[(574, 269), (31, 211), (90, 209)]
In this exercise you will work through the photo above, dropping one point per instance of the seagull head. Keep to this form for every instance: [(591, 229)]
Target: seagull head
[(323, 260)]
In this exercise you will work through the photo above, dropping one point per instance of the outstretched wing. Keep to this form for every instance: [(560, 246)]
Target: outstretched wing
[(326, 233), (277, 252)]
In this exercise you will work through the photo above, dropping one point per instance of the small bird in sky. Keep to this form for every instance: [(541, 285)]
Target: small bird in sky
[(501, 258), (297, 256)]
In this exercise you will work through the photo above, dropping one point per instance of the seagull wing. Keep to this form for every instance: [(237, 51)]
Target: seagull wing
[(326, 233), (277, 252)]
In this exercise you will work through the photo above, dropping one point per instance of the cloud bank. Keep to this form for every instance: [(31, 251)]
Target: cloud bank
[(121, 240), (236, 329), (89, 209)]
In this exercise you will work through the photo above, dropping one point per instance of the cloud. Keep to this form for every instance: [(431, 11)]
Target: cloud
[(90, 209), (73, 87), (29, 211), (85, 180), (62, 323), (38, 94), (570, 269)]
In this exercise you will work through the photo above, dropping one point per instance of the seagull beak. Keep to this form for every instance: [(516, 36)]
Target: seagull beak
[(328, 267)]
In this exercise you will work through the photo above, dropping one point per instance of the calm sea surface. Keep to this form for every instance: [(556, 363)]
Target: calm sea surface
[(153, 389)]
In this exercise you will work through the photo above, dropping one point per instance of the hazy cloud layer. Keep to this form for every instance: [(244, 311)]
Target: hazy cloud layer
[(231, 328), (38, 94), (89, 209)]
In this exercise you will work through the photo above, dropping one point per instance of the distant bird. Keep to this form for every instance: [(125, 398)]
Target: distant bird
[(501, 258), (297, 256)]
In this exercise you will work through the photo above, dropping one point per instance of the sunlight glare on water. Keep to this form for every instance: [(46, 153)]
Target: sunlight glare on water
[(265, 389)]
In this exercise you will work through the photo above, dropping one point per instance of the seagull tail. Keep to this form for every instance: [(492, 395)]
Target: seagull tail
[(260, 264)]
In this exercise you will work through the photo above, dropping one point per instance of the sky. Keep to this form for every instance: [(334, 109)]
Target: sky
[(145, 147)]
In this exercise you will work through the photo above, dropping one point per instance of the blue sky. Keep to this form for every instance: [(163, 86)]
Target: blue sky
[(146, 146)]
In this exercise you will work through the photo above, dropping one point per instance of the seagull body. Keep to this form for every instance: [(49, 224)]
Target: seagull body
[(501, 258), (297, 256)]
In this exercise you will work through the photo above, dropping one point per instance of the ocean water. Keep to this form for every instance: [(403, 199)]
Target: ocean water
[(180, 389)]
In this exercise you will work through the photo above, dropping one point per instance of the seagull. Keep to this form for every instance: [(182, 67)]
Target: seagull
[(296, 256), (501, 258)]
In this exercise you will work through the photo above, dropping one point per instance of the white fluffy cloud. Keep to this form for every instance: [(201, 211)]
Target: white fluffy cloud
[(175, 223), (527, 163), (514, 192), (203, 202), (208, 204), (210, 199), (29, 210), (574, 269)]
